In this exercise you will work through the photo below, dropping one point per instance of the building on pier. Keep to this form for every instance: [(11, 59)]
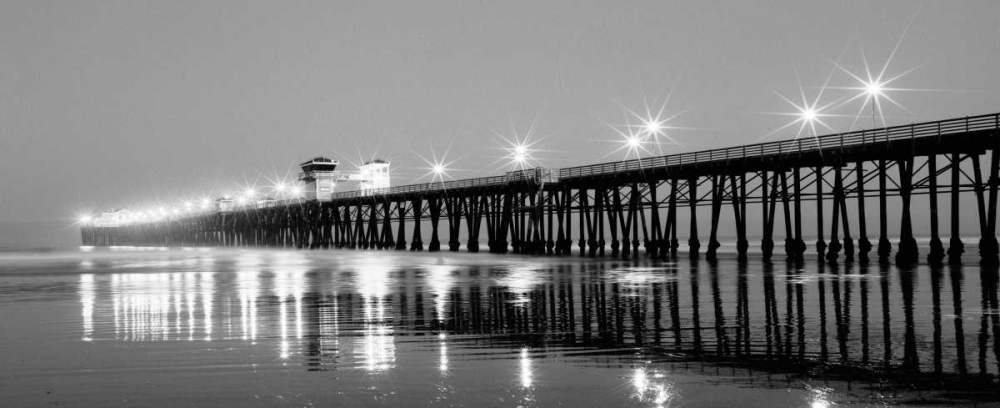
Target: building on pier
[(319, 178), (266, 202), (114, 217), (374, 177), (224, 204)]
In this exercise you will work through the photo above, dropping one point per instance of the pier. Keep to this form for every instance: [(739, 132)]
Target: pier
[(631, 208)]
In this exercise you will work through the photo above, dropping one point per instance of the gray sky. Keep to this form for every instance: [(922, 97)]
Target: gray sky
[(111, 103)]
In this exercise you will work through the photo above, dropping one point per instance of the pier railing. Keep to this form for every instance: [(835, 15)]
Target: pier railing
[(751, 151), (535, 175), (802, 145)]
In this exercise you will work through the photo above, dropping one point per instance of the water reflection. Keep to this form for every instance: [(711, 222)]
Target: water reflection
[(652, 387), (880, 327), (87, 301), (376, 346)]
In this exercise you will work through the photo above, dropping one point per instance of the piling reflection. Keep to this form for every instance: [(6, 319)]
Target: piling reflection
[(879, 326)]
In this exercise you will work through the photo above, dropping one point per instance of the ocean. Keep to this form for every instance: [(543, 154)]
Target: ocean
[(258, 327)]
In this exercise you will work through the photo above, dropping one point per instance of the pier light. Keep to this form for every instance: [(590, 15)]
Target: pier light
[(807, 115), (206, 204), (519, 150), (280, 188), (438, 169), (634, 142), (188, 205), (520, 153), (250, 192), (85, 219), (652, 126), (241, 200), (874, 88), (296, 191)]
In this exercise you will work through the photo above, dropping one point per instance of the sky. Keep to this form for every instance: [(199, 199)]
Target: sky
[(132, 103)]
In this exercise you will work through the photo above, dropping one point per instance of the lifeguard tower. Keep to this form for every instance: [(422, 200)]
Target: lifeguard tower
[(319, 177)]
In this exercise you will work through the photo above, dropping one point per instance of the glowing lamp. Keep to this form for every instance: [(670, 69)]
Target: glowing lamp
[(873, 88), (808, 114), (653, 127)]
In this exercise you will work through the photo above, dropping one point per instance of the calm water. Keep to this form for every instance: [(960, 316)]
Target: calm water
[(345, 328)]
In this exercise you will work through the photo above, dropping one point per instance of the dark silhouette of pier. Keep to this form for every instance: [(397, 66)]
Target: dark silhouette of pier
[(626, 207)]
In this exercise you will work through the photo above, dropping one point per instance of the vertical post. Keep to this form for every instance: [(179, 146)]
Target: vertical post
[(693, 243), (864, 245), (388, 242), (955, 245), (600, 198), (884, 247), (550, 243), (800, 245), (567, 205), (790, 243), (373, 237), (615, 215), (634, 212), (848, 242), (560, 198), (672, 222), (717, 192), (435, 209), (767, 214), (401, 233), (515, 219), (742, 244), (583, 211), (653, 245), (989, 248), (506, 222), (417, 243), (987, 255), (820, 243), (936, 254), (453, 205), (838, 190), (494, 223), (479, 206), (907, 254)]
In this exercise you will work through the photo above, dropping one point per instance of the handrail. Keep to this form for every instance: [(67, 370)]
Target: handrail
[(534, 175), (756, 150)]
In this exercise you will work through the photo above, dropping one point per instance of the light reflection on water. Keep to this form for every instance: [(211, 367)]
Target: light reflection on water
[(531, 331)]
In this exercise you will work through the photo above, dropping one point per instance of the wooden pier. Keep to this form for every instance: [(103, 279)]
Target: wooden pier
[(632, 207)]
